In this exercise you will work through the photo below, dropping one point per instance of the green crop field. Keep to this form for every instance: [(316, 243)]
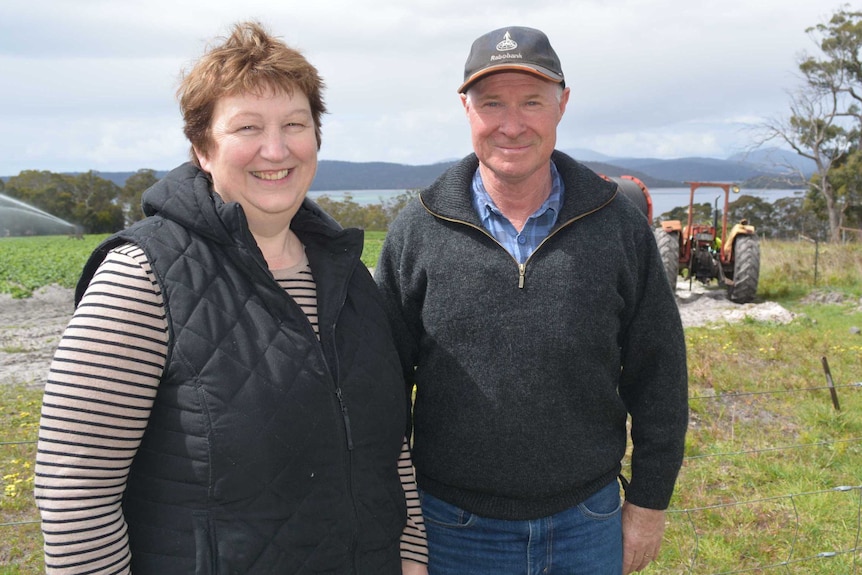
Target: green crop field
[(771, 479), (28, 263)]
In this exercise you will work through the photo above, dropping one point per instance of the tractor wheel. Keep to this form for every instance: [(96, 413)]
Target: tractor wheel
[(668, 248), (746, 269)]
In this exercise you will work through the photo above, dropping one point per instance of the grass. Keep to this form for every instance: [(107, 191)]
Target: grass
[(373, 244), (21, 542), (766, 448), (766, 453), (789, 270)]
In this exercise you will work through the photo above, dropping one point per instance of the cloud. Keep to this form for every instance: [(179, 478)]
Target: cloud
[(91, 143), (89, 84)]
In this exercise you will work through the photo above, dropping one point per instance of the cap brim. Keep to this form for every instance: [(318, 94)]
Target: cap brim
[(540, 72)]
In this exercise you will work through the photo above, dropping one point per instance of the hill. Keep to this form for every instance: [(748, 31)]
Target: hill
[(759, 169), (766, 168), (338, 175), (334, 175)]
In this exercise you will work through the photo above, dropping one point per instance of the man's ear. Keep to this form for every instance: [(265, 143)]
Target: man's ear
[(564, 100)]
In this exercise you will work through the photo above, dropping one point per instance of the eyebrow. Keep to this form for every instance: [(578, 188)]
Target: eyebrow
[(243, 114), (531, 96)]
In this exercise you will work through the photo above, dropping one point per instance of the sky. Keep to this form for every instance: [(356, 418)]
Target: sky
[(90, 84)]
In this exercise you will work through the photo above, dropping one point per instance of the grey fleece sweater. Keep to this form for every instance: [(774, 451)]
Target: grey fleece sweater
[(526, 374)]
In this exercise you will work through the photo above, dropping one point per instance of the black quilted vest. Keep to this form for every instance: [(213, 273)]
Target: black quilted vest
[(267, 451)]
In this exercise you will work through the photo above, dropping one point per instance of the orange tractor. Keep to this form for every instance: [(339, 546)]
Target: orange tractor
[(699, 253)]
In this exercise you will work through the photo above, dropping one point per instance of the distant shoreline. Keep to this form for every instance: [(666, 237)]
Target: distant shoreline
[(663, 199)]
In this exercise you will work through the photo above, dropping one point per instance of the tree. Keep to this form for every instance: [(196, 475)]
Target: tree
[(28, 183), (813, 131), (131, 193), (96, 207), (792, 217), (846, 179), (351, 214), (393, 206), (840, 40), (824, 122), (47, 191), (86, 200), (701, 214), (347, 212), (757, 211)]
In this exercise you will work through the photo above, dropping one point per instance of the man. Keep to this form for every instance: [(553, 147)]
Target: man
[(534, 316)]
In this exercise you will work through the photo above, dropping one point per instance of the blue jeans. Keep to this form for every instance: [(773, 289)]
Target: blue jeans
[(584, 540)]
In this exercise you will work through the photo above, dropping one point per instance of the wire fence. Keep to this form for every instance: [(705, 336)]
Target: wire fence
[(850, 234), (791, 557), (784, 538), (788, 543)]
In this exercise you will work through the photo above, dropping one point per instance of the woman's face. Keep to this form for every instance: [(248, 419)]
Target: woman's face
[(263, 153)]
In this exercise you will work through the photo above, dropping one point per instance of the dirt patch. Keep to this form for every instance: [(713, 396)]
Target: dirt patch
[(831, 297), (701, 305), (31, 328)]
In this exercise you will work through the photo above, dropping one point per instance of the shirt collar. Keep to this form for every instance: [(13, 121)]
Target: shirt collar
[(485, 206)]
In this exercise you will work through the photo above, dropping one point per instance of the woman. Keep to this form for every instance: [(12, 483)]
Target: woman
[(227, 398)]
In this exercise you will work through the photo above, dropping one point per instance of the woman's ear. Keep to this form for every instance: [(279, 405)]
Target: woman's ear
[(203, 162)]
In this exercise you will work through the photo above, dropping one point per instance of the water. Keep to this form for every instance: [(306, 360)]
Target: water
[(666, 199), (361, 197), (18, 218), (663, 199)]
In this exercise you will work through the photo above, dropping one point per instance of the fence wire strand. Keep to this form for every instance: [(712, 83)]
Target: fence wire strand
[(790, 560), (735, 394)]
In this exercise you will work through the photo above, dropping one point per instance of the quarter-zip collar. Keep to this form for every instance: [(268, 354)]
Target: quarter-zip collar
[(450, 198)]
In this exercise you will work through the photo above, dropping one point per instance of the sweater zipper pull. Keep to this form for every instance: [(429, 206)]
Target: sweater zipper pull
[(346, 417), (522, 271)]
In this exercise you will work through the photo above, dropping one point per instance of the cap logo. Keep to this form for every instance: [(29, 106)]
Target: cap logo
[(506, 44)]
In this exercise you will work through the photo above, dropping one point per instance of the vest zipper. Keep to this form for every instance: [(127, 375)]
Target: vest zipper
[(335, 371), (346, 416), (328, 332), (522, 267)]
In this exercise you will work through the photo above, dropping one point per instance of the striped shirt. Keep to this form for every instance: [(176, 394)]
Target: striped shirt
[(537, 227), (98, 397)]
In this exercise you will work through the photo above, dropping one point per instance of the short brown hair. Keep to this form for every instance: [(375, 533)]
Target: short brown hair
[(249, 61)]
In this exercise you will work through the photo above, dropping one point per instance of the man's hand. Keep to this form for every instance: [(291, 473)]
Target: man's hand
[(642, 534), (413, 568)]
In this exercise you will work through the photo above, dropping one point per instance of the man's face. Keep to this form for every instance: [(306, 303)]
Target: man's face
[(513, 123)]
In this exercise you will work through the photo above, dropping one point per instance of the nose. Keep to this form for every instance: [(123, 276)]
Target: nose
[(275, 146), (512, 121)]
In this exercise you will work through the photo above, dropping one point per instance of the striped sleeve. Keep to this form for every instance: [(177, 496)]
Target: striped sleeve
[(97, 401), (414, 546)]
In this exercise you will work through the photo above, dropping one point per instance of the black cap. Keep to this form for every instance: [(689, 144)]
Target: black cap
[(515, 49)]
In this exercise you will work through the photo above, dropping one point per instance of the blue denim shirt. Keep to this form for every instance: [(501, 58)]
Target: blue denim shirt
[(537, 227)]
